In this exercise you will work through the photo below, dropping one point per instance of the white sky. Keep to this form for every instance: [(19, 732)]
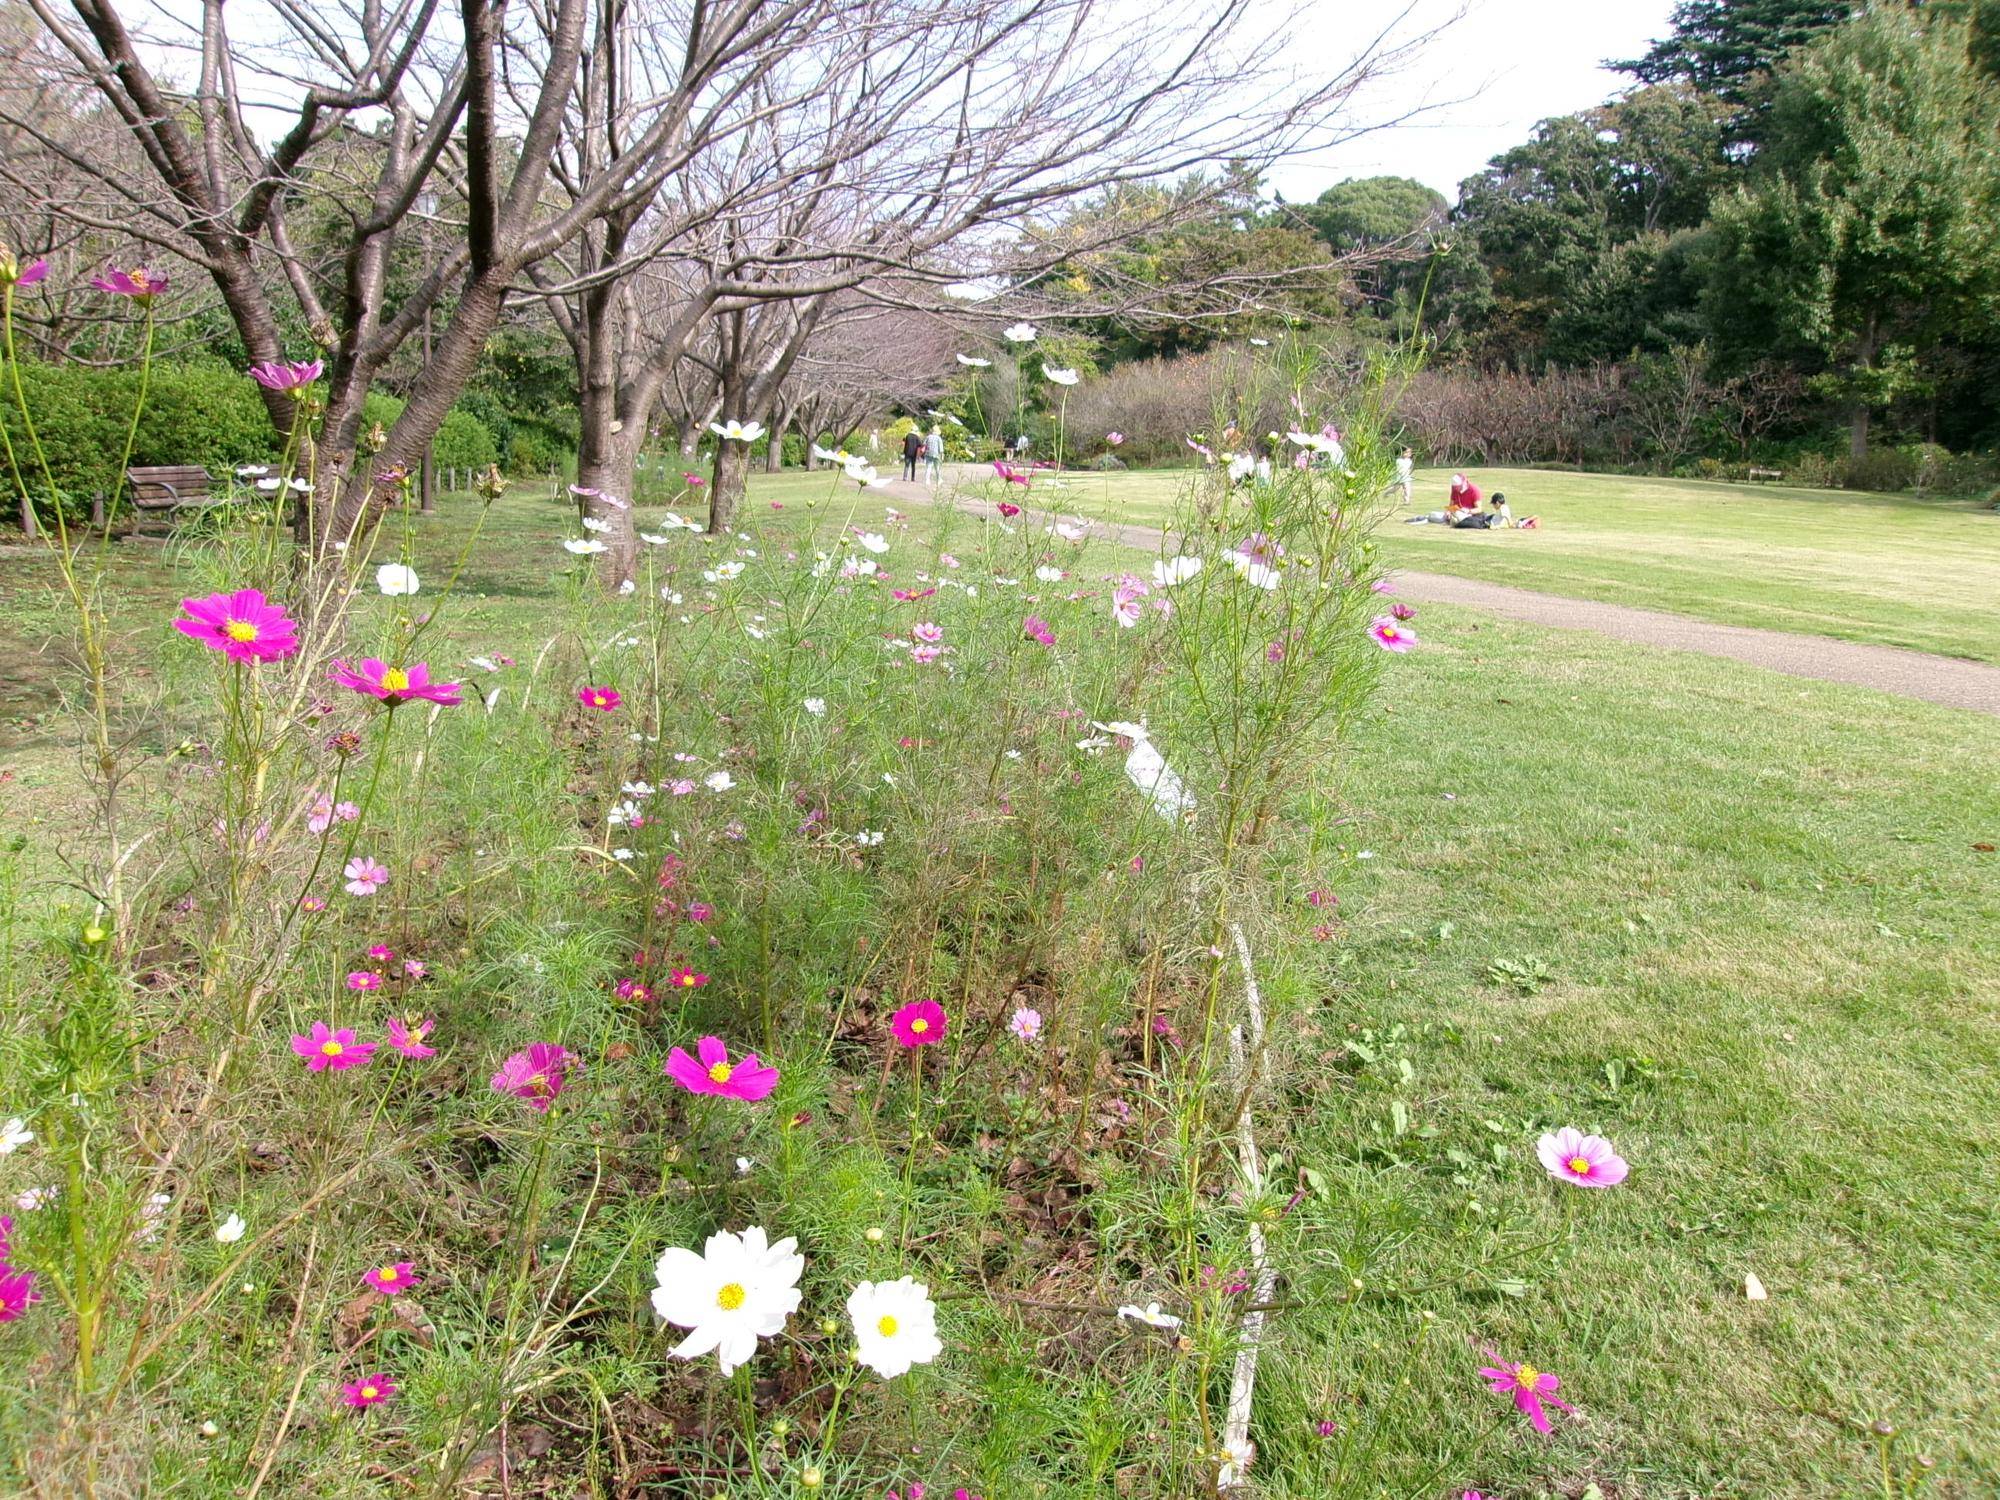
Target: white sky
[(1492, 75)]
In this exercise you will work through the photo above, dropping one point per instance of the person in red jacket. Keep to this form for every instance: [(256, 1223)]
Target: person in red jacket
[(1464, 501)]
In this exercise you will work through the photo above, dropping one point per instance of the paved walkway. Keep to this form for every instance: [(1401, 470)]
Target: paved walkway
[(1947, 680)]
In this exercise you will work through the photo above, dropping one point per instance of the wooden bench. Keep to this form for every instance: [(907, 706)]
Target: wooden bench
[(1765, 476), (166, 488)]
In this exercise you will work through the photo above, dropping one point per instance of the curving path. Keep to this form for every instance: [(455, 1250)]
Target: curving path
[(1947, 680)]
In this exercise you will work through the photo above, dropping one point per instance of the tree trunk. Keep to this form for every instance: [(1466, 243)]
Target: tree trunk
[(1857, 430), (731, 478)]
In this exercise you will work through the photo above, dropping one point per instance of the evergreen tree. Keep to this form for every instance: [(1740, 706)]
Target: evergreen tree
[(1725, 47)]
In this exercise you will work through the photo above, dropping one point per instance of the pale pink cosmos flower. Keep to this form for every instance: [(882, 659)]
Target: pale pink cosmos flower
[(284, 375), (408, 1039), (1528, 1386), (365, 875), (415, 968), (927, 632), (923, 656), (1586, 1160), (1026, 1023), (536, 1074), (326, 1048), (711, 1072)]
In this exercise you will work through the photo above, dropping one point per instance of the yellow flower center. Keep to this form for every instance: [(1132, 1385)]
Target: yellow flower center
[(386, 1275), (396, 680), (369, 1393), (919, 1026), (1580, 1165), (141, 280), (730, 1297), (331, 1049), (538, 1082), (719, 1073), (1526, 1376), (886, 1327), (239, 630)]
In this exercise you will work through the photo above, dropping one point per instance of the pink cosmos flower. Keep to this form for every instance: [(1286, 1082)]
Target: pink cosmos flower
[(1529, 1387), (409, 1040), (923, 656), (635, 989), (603, 699), (1260, 548), (1317, 899), (364, 979), (1390, 635), (279, 375), (370, 1390), (415, 968), (1125, 607), (700, 911), (693, 480), (919, 1023), (1007, 511), (536, 1074), (686, 979), (711, 1072), (394, 685), (927, 632), (1586, 1160), (139, 283), (392, 1279), (312, 903), (381, 952), (365, 875), (1402, 611), (1026, 1023), (1012, 475), (1114, 438), (6, 1234), (19, 275), (326, 1048), (1035, 628), (243, 626), (17, 1293)]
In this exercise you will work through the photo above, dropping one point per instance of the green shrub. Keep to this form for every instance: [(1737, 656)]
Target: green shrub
[(464, 442), (1885, 470)]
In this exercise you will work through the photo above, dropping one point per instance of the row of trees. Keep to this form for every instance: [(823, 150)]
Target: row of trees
[(785, 210), (1805, 188)]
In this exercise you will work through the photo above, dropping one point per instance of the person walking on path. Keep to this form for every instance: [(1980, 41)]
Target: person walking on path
[(1406, 467), (912, 446), (934, 458)]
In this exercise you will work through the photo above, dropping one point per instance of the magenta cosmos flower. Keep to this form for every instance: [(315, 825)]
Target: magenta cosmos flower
[(1035, 628), (1391, 635), (536, 1074), (138, 282), (283, 375), (393, 1278), (370, 1390), (686, 979), (364, 979), (243, 626), (746, 1079), (1586, 1160), (407, 1037), (1011, 474), (1529, 1387), (13, 273), (17, 1293), (603, 699), (919, 1023), (327, 1048), (394, 685)]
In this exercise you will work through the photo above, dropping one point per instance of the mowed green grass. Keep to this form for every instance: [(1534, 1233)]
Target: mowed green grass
[(1758, 899), (1892, 569)]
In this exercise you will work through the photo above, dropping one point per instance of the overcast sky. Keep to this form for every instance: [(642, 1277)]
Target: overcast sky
[(1507, 64)]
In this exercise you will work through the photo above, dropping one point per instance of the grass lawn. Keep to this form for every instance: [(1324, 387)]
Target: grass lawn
[(1739, 923), (1891, 569)]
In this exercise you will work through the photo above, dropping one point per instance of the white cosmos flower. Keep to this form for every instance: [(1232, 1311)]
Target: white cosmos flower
[(974, 361), (675, 522), (868, 838), (252, 471), (722, 572), (718, 781), (622, 813), (624, 854), (831, 455), (1148, 770), (1173, 570), (739, 1289), (637, 789), (1318, 442), (268, 485), (652, 539), (396, 578), (1150, 1315), (1060, 377), (737, 432), (1253, 572), (14, 1134), (874, 541), (1047, 574), (816, 707), (230, 1230), (583, 546), (591, 523), (628, 587), (895, 1325), (1261, 343), (1020, 333), (1241, 467), (1075, 529)]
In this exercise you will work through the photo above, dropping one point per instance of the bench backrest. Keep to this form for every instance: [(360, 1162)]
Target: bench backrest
[(168, 484)]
